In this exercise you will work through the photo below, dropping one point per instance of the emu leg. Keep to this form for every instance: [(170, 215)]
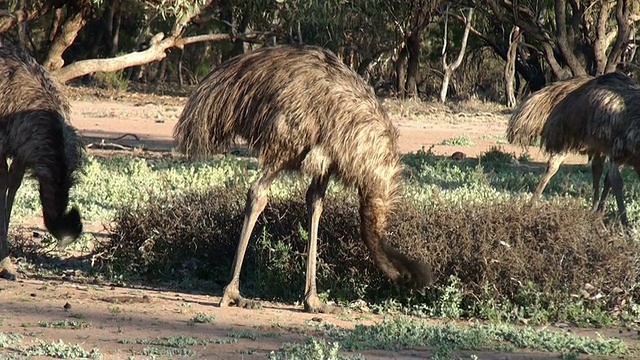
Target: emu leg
[(6, 268), (256, 201), (597, 164), (616, 184), (315, 196), (552, 167), (16, 174)]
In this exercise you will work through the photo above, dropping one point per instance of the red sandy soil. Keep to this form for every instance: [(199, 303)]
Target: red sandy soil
[(127, 313)]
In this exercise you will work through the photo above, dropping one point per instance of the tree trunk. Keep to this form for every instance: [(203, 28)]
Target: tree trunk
[(77, 14), (413, 63), (510, 67), (115, 35), (401, 72), (448, 69)]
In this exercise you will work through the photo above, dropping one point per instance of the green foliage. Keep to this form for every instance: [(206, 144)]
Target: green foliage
[(457, 141), (311, 350), (112, 80), (402, 332), (60, 350)]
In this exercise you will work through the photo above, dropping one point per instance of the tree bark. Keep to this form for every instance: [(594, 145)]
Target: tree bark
[(510, 67), (77, 14), (414, 45), (401, 72), (623, 15), (156, 51), (562, 40)]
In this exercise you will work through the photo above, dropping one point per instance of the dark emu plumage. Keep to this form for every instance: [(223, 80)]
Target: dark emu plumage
[(35, 135), (602, 117), (303, 110)]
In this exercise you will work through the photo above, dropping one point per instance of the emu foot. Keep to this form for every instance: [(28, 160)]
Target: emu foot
[(7, 270), (313, 304), (232, 296)]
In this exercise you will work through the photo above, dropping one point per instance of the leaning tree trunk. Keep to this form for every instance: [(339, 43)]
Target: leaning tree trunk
[(510, 67), (77, 14)]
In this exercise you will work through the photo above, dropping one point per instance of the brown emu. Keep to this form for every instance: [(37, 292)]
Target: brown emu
[(302, 110), (35, 135), (602, 116), (528, 119), (532, 116)]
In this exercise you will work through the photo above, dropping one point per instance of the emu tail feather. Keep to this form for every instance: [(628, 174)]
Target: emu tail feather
[(196, 131)]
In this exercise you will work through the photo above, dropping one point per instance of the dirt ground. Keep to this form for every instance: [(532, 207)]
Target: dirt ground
[(117, 314)]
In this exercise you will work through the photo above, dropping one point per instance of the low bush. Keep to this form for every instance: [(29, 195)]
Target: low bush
[(488, 258)]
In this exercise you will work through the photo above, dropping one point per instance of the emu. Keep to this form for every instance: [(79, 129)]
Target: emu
[(302, 110), (35, 134), (566, 115), (602, 116)]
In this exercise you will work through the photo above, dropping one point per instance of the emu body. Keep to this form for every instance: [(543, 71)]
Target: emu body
[(566, 129), (302, 110), (35, 135), (601, 116)]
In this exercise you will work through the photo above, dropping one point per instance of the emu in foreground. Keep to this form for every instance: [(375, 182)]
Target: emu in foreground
[(601, 116), (302, 110), (35, 135)]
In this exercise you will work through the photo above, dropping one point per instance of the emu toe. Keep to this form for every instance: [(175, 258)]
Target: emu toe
[(232, 296), (313, 304)]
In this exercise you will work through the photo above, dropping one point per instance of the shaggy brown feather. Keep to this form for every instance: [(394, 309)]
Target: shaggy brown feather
[(591, 116), (303, 110), (528, 119)]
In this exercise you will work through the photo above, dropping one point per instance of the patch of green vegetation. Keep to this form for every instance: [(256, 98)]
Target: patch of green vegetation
[(61, 350), (155, 351), (202, 318), (65, 324), (403, 332), (181, 342), (242, 335), (112, 80), (457, 141), (9, 339), (311, 350)]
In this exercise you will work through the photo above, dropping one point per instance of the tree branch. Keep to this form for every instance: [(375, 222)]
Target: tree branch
[(157, 51), (561, 37), (622, 16)]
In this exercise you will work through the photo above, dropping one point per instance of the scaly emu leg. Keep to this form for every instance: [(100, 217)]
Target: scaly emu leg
[(597, 164), (6, 268), (16, 174), (552, 167), (256, 201), (614, 182), (315, 196)]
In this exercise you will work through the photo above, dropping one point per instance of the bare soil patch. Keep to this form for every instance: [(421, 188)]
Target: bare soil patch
[(116, 314)]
